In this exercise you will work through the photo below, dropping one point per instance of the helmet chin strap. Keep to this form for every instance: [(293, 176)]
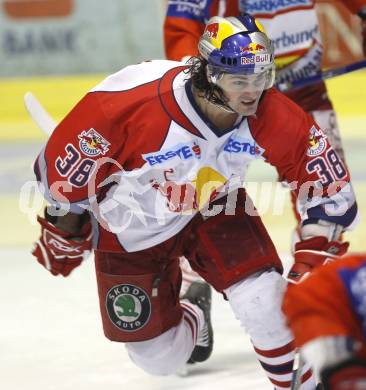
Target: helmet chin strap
[(223, 107)]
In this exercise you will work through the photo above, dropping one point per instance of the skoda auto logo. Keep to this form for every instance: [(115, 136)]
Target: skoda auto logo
[(128, 307)]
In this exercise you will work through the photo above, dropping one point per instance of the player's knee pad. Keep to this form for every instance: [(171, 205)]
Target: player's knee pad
[(164, 354), (256, 301)]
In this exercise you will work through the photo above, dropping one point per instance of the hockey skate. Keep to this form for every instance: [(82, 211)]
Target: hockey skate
[(199, 293)]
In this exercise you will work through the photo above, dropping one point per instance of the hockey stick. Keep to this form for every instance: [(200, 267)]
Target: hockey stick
[(38, 113), (47, 124), (297, 371), (321, 76)]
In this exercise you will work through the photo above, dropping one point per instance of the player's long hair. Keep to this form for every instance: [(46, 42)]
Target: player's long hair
[(209, 91)]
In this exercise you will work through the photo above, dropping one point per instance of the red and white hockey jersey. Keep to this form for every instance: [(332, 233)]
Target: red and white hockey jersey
[(292, 25), (138, 153)]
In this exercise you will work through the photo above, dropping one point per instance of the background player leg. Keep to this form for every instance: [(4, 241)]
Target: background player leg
[(188, 276), (199, 293)]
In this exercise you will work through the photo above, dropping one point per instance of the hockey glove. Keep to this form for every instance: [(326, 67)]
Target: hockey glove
[(313, 252), (60, 252), (348, 375)]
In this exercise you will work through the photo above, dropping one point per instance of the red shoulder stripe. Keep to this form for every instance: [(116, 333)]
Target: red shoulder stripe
[(169, 103)]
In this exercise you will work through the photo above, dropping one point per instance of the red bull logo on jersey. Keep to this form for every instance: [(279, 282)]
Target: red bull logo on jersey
[(92, 143), (317, 142), (182, 151), (190, 196)]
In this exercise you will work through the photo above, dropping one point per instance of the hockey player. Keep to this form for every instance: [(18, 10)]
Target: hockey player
[(157, 155), (326, 313), (293, 28)]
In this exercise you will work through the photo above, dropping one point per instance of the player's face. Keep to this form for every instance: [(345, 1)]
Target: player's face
[(243, 91)]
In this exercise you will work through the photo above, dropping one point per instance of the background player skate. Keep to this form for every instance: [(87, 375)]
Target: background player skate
[(327, 316), (157, 154)]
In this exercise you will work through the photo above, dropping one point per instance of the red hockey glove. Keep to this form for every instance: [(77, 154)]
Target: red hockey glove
[(313, 252), (348, 375), (58, 251)]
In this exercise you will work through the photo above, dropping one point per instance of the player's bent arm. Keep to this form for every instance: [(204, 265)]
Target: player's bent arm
[(325, 199), (326, 203), (67, 170)]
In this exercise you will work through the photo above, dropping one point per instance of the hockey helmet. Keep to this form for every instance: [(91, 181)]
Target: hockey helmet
[(237, 45)]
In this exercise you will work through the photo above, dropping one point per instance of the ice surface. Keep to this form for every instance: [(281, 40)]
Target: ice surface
[(51, 338)]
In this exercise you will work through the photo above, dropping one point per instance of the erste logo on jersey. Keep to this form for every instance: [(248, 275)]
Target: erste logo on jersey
[(92, 143), (183, 151), (128, 307), (317, 142), (241, 145)]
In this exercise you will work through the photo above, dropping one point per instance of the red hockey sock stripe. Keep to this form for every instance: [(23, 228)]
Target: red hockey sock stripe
[(287, 384), (192, 320), (272, 353)]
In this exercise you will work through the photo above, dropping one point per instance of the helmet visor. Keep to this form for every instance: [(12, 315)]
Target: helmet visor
[(239, 82), (243, 80)]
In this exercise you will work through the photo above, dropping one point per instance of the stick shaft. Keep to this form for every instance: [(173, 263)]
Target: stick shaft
[(38, 113), (297, 371), (324, 75)]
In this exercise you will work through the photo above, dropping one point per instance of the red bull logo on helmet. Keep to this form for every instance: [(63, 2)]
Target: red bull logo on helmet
[(92, 143), (217, 31), (212, 30), (252, 48), (260, 59)]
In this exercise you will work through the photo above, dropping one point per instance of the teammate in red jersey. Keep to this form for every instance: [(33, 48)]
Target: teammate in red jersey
[(156, 154), (327, 315)]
